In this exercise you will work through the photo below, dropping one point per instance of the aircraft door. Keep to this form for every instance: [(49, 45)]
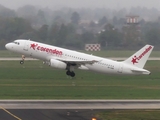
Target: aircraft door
[(26, 45), (120, 69)]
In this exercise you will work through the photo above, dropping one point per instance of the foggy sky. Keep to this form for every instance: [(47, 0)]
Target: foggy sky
[(55, 4)]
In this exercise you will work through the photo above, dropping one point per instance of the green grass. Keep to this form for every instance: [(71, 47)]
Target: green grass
[(107, 53), (33, 80), (129, 115), (120, 53), (6, 53)]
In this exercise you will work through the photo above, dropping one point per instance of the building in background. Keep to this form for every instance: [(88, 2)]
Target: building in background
[(132, 19), (92, 47)]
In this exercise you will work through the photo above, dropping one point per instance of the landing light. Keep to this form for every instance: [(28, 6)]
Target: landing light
[(94, 119)]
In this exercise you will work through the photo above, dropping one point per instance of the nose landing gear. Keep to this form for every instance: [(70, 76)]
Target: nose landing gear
[(22, 61)]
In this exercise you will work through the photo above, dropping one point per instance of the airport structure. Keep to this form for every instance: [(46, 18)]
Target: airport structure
[(132, 19), (93, 47)]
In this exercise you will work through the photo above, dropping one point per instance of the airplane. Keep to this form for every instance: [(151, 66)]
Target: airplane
[(70, 60)]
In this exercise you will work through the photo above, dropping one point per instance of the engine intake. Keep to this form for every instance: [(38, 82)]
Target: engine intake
[(58, 64)]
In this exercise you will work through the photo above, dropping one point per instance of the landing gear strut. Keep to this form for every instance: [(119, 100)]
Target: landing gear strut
[(69, 73), (22, 61)]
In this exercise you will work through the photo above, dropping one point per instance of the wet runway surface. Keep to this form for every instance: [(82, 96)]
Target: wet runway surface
[(67, 109), (47, 114)]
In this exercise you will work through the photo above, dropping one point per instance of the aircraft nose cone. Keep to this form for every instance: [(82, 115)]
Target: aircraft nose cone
[(8, 46)]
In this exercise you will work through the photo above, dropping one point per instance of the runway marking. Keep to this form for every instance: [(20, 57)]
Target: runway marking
[(10, 113), (49, 85)]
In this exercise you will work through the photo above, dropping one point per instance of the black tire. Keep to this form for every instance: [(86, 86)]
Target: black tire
[(21, 62), (72, 74), (68, 73)]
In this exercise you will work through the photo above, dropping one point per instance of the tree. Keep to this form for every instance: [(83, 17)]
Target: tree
[(29, 35), (115, 20), (28, 12), (75, 18), (153, 36), (12, 28), (87, 37), (41, 20), (110, 37), (58, 20), (132, 36), (43, 33), (73, 41), (102, 21), (53, 32), (6, 13), (61, 36), (92, 24)]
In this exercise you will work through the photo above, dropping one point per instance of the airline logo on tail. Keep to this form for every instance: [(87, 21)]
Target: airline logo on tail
[(45, 49), (135, 59)]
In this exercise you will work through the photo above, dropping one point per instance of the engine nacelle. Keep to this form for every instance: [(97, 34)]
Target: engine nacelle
[(58, 64)]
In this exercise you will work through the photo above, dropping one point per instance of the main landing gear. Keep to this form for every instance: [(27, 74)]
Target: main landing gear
[(22, 61), (69, 73)]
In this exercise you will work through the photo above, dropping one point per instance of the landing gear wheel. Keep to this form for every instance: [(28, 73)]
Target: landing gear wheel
[(69, 73), (72, 74), (21, 62)]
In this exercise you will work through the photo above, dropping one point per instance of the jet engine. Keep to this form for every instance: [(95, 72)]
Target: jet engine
[(58, 64)]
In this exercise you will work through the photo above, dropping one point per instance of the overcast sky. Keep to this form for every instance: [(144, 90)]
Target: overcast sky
[(13, 4)]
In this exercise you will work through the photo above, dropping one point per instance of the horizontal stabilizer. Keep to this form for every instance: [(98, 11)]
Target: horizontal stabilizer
[(141, 71)]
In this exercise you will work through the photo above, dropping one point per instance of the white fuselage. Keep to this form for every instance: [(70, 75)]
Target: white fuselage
[(47, 52)]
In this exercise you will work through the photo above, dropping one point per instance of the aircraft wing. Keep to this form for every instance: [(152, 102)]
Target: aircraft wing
[(75, 62), (78, 62)]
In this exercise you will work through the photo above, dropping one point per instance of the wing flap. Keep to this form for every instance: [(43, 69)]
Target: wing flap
[(81, 62)]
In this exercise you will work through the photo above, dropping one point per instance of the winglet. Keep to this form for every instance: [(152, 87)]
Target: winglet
[(140, 57)]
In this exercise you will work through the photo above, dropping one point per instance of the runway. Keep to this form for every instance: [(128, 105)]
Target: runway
[(80, 104), (48, 114), (67, 109)]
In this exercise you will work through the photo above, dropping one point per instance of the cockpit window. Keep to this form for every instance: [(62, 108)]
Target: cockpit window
[(16, 42)]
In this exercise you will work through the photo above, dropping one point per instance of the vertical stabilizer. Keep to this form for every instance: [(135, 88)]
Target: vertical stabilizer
[(139, 58)]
